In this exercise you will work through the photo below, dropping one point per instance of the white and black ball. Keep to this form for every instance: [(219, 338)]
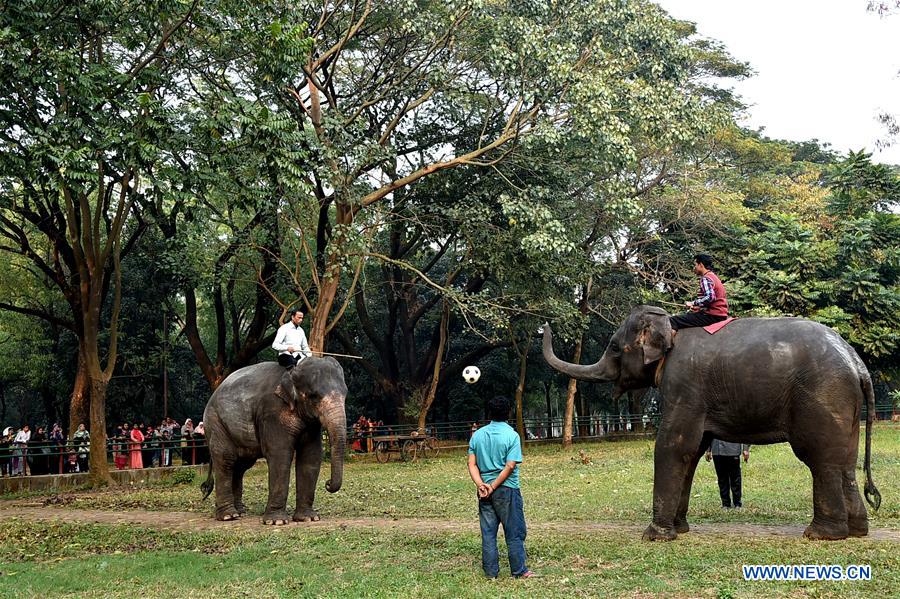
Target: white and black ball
[(471, 374)]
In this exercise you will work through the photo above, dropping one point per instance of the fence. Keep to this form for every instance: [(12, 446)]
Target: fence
[(69, 458), (596, 426), (52, 458)]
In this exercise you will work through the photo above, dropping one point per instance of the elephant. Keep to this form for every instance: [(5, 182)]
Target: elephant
[(266, 411), (759, 381)]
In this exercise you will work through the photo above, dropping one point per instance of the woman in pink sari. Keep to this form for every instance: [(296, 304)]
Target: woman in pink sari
[(137, 437)]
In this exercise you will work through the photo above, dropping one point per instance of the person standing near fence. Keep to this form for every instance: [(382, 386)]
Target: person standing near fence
[(6, 452), (187, 433), (20, 453), (57, 455), (136, 460), (38, 452), (120, 457), (82, 441)]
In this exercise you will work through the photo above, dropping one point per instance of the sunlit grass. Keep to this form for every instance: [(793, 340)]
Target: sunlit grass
[(615, 486), (89, 560)]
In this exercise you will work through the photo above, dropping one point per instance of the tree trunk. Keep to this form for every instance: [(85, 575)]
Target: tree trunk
[(584, 426), (428, 399), (319, 327), (636, 415), (79, 401), (547, 387), (570, 400), (520, 391), (99, 466)]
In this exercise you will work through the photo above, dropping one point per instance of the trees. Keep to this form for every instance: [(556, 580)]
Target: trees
[(83, 122)]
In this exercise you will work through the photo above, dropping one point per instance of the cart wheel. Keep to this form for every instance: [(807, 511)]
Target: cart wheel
[(381, 452), (430, 447), (408, 451)]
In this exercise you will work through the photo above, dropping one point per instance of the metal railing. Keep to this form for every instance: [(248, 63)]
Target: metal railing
[(36, 459)]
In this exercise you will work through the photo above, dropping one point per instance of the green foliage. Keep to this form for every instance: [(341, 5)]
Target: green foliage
[(842, 270), (183, 476)]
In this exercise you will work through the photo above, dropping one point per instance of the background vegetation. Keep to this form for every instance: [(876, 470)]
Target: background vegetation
[(174, 175)]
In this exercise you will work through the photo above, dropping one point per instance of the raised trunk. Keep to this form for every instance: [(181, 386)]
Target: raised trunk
[(593, 373), (335, 422)]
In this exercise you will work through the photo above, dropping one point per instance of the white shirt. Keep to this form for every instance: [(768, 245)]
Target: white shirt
[(291, 335), (23, 437)]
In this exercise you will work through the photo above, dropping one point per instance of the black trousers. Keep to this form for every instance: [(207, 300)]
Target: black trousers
[(287, 360), (694, 319), (728, 471)]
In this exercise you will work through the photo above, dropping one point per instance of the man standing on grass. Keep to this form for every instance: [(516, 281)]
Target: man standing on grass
[(495, 453)]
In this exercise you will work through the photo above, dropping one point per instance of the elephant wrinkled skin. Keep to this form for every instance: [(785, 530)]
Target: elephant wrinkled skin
[(759, 381), (266, 411)]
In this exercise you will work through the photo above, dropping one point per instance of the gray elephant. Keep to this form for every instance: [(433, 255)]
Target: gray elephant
[(759, 381), (266, 411)]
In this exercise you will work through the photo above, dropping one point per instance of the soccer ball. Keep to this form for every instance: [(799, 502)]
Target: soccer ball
[(471, 374)]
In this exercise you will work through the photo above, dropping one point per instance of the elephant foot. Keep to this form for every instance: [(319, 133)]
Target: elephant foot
[(682, 526), (858, 527), (227, 513), (241, 508), (820, 532), (276, 518), (306, 515), (658, 533)]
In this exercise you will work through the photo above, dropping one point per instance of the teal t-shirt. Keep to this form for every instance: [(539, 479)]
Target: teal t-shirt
[(493, 446)]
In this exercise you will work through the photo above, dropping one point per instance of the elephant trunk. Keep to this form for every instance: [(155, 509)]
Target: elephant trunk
[(334, 419), (592, 373)]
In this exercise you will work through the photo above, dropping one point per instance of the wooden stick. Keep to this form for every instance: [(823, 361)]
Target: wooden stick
[(325, 353)]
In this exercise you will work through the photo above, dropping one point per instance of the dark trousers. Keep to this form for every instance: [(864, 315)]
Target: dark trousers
[(694, 319), (728, 471), (504, 506), (287, 360)]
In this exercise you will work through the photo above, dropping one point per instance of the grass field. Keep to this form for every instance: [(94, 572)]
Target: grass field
[(564, 497)]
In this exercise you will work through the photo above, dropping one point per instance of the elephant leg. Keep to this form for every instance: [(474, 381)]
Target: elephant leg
[(279, 461), (829, 510), (237, 484), (309, 460), (675, 457), (223, 470), (857, 515), (681, 523)]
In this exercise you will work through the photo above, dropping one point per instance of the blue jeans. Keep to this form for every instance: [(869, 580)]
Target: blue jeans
[(503, 506)]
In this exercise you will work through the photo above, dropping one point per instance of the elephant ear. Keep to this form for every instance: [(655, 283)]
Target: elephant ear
[(286, 391), (655, 338)]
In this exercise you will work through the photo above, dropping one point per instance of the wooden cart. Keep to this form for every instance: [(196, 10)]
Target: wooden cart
[(410, 447)]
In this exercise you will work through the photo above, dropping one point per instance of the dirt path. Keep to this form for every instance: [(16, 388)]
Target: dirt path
[(182, 520)]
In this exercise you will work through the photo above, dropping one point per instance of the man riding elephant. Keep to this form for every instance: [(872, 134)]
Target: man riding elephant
[(711, 305)]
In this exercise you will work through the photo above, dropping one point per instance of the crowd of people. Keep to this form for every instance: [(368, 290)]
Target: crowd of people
[(25, 451), (140, 446)]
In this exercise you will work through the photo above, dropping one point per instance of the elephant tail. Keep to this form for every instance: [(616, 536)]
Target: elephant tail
[(873, 497), (210, 482)]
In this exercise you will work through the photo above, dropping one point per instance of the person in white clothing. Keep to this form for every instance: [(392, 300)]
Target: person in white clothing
[(290, 341), (20, 443)]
